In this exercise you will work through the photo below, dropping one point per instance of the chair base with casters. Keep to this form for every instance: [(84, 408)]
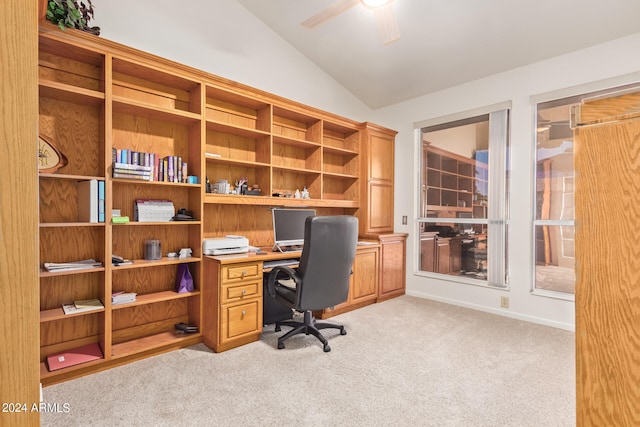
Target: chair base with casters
[(308, 326)]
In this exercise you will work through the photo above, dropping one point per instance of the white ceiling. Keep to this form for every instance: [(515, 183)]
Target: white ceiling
[(443, 42)]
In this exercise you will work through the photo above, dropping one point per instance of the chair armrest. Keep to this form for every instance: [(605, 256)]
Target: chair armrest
[(273, 274)]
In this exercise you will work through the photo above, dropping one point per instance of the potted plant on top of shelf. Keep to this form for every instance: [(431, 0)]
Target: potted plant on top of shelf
[(72, 14)]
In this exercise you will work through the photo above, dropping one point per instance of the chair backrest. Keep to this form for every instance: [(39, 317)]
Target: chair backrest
[(325, 264)]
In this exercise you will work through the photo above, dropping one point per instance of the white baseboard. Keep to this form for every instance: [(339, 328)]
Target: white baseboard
[(499, 312)]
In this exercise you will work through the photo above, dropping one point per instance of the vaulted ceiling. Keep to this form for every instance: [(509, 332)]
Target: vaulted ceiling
[(442, 43)]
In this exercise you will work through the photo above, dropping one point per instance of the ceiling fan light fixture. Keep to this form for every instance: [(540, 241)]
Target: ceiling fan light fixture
[(373, 4)]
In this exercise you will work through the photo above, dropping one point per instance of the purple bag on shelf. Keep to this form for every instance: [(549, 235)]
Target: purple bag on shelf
[(184, 280)]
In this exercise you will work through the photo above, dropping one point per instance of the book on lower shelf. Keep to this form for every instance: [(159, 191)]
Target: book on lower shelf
[(82, 306), (74, 356)]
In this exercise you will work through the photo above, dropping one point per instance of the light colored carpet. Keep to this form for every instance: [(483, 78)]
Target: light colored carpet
[(407, 361)]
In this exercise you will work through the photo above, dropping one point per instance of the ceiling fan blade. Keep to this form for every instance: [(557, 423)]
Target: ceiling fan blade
[(387, 23), (332, 11)]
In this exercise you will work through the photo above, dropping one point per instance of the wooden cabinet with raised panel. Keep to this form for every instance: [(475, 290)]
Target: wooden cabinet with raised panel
[(376, 172), (393, 265), (233, 299), (363, 287)]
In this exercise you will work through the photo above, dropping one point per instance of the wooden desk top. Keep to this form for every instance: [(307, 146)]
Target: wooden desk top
[(265, 255), (268, 255)]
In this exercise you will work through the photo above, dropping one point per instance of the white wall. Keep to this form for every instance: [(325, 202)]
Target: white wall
[(614, 62), (223, 38), (228, 41)]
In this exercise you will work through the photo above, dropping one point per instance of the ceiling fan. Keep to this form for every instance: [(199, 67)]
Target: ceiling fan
[(383, 10)]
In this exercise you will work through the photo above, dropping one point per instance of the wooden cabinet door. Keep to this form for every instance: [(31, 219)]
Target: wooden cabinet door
[(365, 276), (393, 266), (377, 162), (607, 293)]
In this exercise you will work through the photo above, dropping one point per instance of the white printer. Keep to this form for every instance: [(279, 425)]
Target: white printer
[(230, 244)]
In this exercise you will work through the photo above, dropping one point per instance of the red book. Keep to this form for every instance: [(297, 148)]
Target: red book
[(75, 356)]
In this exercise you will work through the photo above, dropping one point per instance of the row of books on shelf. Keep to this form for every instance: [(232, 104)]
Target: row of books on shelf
[(129, 164)]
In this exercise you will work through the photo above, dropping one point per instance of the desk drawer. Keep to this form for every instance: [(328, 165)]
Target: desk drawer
[(240, 319), (241, 272), (240, 291)]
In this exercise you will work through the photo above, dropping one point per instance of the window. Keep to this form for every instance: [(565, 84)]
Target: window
[(463, 199), (553, 225), (554, 218)]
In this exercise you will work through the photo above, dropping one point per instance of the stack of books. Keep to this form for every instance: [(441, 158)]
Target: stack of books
[(81, 306), (147, 210), (127, 171), (132, 164), (72, 265), (123, 297)]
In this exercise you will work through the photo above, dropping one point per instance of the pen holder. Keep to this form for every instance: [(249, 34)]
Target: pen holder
[(152, 250)]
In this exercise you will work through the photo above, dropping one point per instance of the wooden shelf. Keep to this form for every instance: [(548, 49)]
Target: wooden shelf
[(151, 111), (236, 130), (161, 183), (230, 199), (162, 223), (69, 93), (45, 373), (143, 263), (164, 339), (71, 224), (44, 273), (278, 139), (154, 298), (58, 314), (227, 161), (339, 151), (340, 175), (69, 177)]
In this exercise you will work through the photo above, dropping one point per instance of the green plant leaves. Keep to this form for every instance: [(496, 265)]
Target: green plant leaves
[(71, 14)]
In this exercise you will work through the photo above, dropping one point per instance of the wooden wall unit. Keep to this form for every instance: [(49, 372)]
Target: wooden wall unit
[(607, 261), (97, 96)]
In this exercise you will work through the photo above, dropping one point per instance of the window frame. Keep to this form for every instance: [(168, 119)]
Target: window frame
[(497, 220)]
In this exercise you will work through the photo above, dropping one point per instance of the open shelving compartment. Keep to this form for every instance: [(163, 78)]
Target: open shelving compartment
[(71, 82)]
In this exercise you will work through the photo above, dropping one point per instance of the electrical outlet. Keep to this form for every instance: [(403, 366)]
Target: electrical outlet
[(504, 302), (404, 220)]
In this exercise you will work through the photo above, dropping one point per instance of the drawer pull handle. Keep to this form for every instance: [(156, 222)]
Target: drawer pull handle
[(244, 313), (244, 272), (244, 292)]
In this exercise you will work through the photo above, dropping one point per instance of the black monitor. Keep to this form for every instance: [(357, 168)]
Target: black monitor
[(288, 227)]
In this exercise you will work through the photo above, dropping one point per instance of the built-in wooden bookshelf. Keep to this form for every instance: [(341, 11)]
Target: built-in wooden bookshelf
[(97, 96)]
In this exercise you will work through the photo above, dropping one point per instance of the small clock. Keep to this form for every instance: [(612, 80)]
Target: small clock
[(50, 159)]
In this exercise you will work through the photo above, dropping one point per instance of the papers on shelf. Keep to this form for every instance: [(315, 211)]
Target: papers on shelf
[(73, 265), (123, 297), (81, 306)]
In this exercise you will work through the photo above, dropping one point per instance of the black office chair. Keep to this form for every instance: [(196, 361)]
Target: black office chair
[(322, 278)]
